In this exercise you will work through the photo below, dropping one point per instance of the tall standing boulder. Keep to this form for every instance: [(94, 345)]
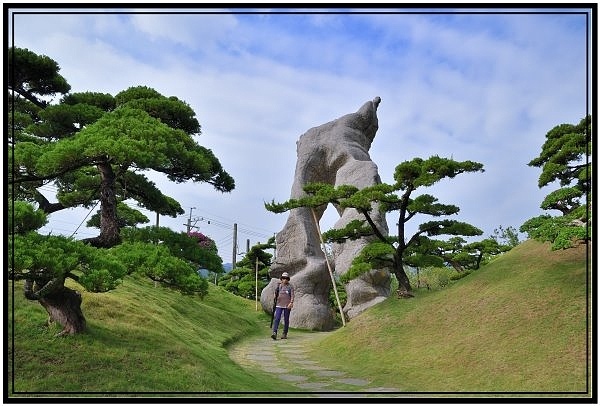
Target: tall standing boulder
[(335, 153)]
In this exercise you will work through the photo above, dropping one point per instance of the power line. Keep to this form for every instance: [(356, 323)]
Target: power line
[(225, 241), (229, 223), (86, 216), (224, 223), (212, 219), (63, 230), (244, 231)]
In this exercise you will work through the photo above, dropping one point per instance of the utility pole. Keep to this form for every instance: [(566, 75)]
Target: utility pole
[(256, 285), (234, 245), (189, 222), (247, 246)]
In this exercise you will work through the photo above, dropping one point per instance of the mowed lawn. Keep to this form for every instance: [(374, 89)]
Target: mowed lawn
[(140, 339), (519, 324)]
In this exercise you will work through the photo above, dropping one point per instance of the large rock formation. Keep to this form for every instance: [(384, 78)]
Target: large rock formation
[(335, 153)]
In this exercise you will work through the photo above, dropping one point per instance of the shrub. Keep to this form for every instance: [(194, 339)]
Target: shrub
[(434, 278)]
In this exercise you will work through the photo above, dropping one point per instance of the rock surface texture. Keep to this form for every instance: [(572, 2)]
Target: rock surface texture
[(336, 153)]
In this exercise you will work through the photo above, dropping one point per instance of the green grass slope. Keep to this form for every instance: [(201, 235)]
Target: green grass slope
[(140, 339), (517, 325)]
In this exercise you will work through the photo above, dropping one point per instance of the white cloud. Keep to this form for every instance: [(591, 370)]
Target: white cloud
[(194, 31), (482, 88)]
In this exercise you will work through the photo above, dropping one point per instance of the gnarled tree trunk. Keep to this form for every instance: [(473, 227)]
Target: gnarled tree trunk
[(64, 306), (109, 225), (404, 288)]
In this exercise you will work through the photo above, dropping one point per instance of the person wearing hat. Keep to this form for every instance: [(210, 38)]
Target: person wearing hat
[(284, 297)]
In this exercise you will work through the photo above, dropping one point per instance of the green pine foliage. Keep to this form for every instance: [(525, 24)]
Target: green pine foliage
[(95, 146), (45, 261), (34, 75), (375, 255), (24, 217), (195, 248), (565, 159), (242, 280), (394, 252), (156, 262)]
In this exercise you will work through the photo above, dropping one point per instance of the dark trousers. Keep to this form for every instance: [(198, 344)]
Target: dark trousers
[(286, 319)]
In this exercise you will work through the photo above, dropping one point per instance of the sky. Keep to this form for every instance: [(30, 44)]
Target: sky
[(484, 86)]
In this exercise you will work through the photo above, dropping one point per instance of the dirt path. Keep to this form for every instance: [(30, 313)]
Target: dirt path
[(288, 361)]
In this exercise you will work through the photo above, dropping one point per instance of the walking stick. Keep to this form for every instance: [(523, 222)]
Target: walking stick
[(274, 305), (328, 266)]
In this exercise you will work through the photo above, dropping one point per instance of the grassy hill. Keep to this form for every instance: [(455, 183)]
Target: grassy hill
[(140, 338), (517, 325)]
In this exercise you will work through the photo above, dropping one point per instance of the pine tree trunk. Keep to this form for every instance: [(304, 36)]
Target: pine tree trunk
[(109, 226), (404, 288), (64, 307)]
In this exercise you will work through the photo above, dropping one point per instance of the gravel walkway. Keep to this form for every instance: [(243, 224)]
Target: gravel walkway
[(288, 361)]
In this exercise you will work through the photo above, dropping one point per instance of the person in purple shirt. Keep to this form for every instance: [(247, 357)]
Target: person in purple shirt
[(284, 302)]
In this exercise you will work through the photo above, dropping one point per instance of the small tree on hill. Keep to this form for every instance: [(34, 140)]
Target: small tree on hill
[(484, 250), (45, 262), (394, 252), (565, 159), (508, 236), (242, 279)]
